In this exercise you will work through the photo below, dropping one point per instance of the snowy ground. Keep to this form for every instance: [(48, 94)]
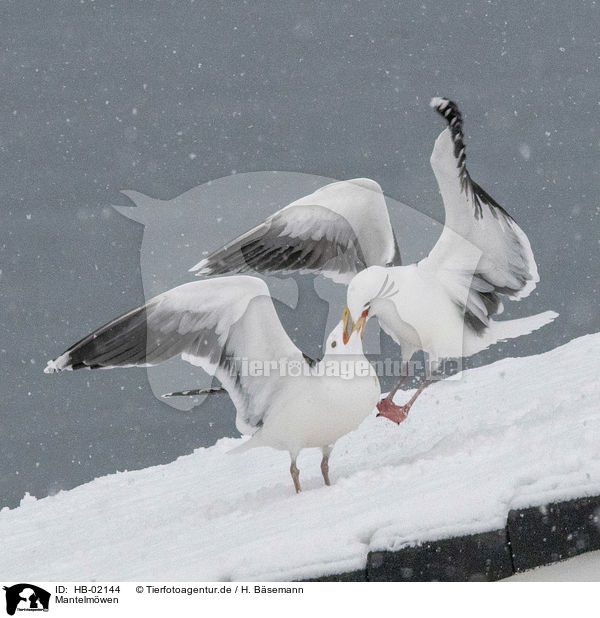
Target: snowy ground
[(585, 568), (520, 432)]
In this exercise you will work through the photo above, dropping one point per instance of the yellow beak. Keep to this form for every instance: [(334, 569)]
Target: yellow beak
[(360, 324), (350, 327), (347, 325)]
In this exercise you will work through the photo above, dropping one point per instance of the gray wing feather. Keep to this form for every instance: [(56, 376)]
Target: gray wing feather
[(304, 238), (214, 324), (397, 259)]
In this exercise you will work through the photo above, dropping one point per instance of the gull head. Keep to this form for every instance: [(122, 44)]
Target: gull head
[(368, 285), (343, 339)]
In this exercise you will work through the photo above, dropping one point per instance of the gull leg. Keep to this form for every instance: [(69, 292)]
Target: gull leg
[(421, 388), (295, 475), (401, 381), (386, 406), (388, 409), (325, 464)]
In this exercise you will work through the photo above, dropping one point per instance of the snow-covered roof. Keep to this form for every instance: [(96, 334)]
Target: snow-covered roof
[(520, 432)]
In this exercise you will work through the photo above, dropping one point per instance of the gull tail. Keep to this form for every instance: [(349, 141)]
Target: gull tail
[(251, 443), (509, 329)]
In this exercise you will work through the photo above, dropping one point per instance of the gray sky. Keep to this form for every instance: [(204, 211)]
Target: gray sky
[(163, 97)]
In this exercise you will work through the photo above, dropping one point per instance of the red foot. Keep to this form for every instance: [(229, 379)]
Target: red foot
[(388, 409)]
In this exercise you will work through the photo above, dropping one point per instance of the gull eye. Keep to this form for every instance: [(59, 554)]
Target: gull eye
[(333, 344)]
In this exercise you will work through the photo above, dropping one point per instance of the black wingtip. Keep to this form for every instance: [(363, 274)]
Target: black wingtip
[(62, 363), (447, 108), (195, 392), (449, 111)]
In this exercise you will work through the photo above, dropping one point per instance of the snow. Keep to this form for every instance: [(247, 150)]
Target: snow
[(520, 432), (584, 568)]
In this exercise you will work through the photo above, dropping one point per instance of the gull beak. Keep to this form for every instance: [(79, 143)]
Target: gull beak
[(350, 327), (361, 323), (347, 325)]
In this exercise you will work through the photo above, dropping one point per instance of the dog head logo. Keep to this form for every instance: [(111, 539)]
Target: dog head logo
[(179, 232), (26, 597)]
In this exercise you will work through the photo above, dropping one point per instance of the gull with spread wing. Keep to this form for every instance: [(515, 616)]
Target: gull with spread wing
[(230, 328), (445, 303)]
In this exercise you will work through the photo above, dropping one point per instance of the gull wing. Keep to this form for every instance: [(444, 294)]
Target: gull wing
[(336, 231), (218, 324), (481, 246)]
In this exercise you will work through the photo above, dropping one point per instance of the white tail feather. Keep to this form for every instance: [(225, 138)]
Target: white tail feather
[(245, 446), (510, 329)]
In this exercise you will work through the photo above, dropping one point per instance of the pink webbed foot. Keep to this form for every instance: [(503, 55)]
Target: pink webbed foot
[(388, 409)]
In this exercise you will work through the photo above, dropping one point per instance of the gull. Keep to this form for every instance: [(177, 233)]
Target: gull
[(336, 231), (445, 303), (229, 327)]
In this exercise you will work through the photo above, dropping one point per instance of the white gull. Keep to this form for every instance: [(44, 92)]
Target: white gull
[(229, 327), (445, 303)]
